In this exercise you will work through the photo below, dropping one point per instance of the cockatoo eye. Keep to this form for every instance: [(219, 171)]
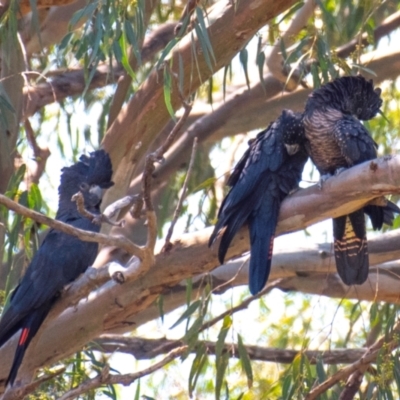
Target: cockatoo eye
[(84, 187)]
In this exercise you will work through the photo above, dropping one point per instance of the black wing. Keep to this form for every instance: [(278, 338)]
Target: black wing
[(262, 178), (355, 143), (249, 181)]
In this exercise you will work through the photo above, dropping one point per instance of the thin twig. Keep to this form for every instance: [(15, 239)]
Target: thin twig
[(109, 240), (105, 378), (97, 219), (41, 154), (80, 205), (242, 306), (385, 345), (114, 208), (226, 285), (182, 197)]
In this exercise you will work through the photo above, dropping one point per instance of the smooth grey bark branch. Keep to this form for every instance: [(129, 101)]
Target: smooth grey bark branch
[(122, 241)]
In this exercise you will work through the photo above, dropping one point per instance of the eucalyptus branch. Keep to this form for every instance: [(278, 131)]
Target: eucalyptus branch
[(92, 278), (41, 154), (143, 349), (383, 346), (118, 241), (105, 378)]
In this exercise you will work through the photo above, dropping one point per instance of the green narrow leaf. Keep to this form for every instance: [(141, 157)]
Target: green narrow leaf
[(297, 367), (173, 42), (221, 357), (198, 364), (245, 362), (227, 323), (125, 57), (15, 180), (35, 197), (328, 16), (132, 39), (365, 69), (160, 304), (189, 291), (320, 370), (97, 38), (137, 392), (288, 387), (316, 79), (166, 51), (291, 11), (260, 64), (189, 288), (192, 333), (167, 93), (181, 73), (210, 91), (222, 364), (200, 18), (226, 70), (187, 313), (203, 46), (244, 58), (116, 47), (85, 13)]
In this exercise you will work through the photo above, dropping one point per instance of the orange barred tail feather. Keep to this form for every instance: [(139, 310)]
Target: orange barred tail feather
[(351, 248)]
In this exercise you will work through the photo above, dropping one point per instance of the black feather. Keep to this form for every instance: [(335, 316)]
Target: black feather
[(60, 259)]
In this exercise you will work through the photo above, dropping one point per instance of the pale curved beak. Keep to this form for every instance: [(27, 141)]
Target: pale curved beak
[(292, 148), (97, 191)]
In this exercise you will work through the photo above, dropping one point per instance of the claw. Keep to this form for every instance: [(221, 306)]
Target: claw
[(340, 170), (322, 179)]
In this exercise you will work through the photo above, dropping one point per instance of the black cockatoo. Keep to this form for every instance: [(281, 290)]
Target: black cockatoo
[(337, 139), (268, 171), (61, 258)]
